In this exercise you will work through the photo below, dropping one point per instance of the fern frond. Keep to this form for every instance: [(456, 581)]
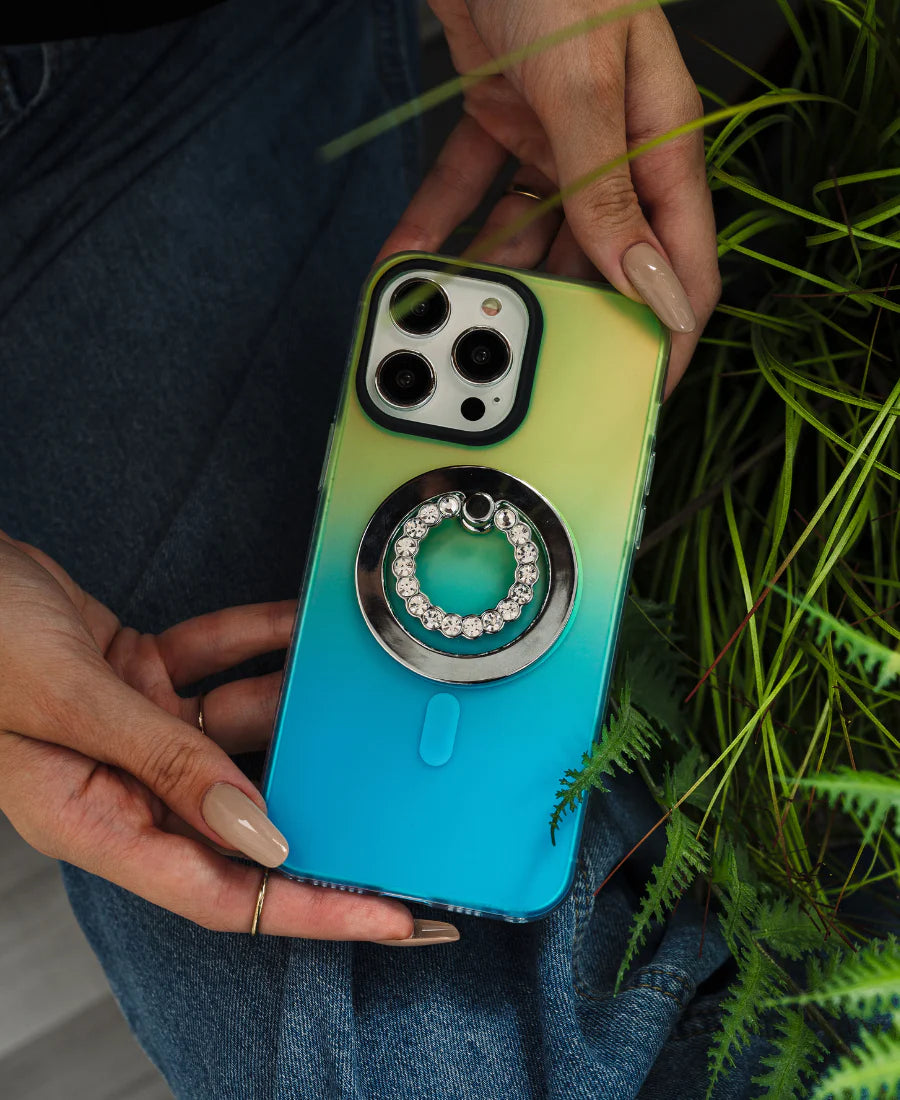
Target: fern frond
[(739, 900), (875, 1071), (757, 982), (651, 666), (870, 795), (683, 774), (862, 984), (873, 656), (627, 736), (786, 928), (795, 1048), (685, 857)]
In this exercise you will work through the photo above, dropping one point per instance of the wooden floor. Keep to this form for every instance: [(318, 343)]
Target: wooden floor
[(62, 1036)]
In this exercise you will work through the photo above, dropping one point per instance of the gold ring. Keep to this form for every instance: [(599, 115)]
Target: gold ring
[(200, 721), (520, 189), (260, 898)]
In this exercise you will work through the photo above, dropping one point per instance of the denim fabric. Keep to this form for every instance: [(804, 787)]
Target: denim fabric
[(178, 276)]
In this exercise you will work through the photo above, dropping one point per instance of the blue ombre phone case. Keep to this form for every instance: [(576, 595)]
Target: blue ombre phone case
[(384, 780)]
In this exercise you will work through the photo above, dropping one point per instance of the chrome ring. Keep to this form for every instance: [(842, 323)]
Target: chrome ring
[(500, 516), (549, 532)]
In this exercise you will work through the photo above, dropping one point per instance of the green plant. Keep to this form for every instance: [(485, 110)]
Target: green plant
[(771, 538)]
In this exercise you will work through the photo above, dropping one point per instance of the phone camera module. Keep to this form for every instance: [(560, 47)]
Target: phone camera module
[(405, 379), (481, 355), (419, 307)]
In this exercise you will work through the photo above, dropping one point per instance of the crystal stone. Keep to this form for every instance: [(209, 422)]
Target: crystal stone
[(403, 567), (407, 586), (509, 609), (417, 605), (504, 518), (493, 621), (526, 553), (449, 506), (521, 593), (432, 618), (406, 546), (415, 528), (452, 625), (527, 574), (430, 514), (472, 626), (519, 533)]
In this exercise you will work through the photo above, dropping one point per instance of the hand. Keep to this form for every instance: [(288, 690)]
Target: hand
[(102, 763), (646, 225)]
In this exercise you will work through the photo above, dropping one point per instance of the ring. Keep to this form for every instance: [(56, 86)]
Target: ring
[(478, 513), (200, 722), (469, 493), (260, 898), (520, 189)]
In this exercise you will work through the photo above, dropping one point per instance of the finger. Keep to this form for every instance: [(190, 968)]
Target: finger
[(172, 823), (100, 823), (208, 644), (87, 708), (101, 622), (463, 171), (588, 136), (566, 257), (671, 179), (504, 239), (239, 716)]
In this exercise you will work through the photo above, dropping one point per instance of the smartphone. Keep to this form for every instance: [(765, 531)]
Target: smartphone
[(480, 504)]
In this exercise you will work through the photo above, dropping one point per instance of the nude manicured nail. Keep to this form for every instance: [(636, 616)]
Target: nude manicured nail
[(242, 824), (425, 932), (658, 285)]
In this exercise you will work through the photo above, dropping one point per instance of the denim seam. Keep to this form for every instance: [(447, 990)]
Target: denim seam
[(687, 986), (279, 1030), (581, 915), (600, 997), (6, 87), (690, 1029), (51, 57), (9, 103), (658, 989)]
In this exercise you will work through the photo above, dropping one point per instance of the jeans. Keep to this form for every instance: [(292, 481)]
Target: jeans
[(178, 274)]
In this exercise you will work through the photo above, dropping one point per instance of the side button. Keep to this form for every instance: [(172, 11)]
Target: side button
[(439, 729), (640, 528), (325, 460), (650, 466)]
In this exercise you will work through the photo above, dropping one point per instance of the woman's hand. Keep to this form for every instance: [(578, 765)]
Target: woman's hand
[(102, 763), (646, 225)]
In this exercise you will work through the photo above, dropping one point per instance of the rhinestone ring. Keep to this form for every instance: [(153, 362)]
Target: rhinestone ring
[(468, 494), (478, 513)]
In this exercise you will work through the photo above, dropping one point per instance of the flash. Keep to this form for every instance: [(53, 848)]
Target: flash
[(490, 307)]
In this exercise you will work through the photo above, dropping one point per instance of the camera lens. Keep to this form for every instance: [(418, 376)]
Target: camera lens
[(405, 379), (419, 307), (481, 355)]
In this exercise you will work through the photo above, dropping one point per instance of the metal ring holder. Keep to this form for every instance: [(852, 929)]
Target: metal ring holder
[(482, 499)]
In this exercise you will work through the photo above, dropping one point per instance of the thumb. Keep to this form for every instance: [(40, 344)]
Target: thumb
[(588, 138), (88, 709), (190, 773)]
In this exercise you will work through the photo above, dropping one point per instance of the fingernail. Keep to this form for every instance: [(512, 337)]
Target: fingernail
[(658, 285), (425, 932), (242, 824)]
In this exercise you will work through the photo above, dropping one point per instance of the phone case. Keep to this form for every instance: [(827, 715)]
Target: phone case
[(363, 801)]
